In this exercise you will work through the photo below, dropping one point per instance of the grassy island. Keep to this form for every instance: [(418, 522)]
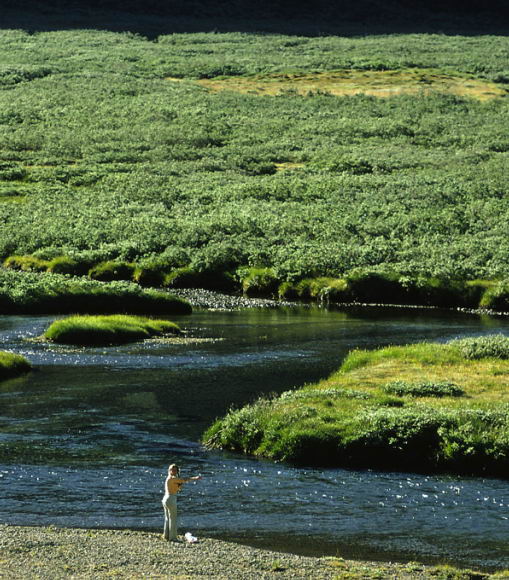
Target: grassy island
[(101, 330), (12, 365), (422, 407)]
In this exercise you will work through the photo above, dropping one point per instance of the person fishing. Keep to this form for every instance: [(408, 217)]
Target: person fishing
[(172, 486)]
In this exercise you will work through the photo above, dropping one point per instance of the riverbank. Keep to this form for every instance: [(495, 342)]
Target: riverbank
[(29, 552)]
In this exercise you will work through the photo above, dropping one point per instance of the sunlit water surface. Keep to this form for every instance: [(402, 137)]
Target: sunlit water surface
[(87, 438)]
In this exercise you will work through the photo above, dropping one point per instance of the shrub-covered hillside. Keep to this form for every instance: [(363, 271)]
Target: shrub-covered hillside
[(113, 148)]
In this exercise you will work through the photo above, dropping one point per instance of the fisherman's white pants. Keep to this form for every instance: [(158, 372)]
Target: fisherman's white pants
[(170, 516)]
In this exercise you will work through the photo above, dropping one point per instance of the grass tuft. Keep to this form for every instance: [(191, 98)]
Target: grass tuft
[(12, 365), (109, 271), (104, 330), (258, 282)]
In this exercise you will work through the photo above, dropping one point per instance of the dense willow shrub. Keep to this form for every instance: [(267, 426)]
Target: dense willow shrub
[(496, 297), (423, 389), (376, 287), (109, 271), (383, 436), (26, 264), (151, 274), (322, 289), (258, 281), (492, 346), (111, 159), (66, 265), (209, 279)]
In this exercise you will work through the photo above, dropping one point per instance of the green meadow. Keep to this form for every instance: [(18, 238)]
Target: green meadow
[(181, 159), (424, 407)]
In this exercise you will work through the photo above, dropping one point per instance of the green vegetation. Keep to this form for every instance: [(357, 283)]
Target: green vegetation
[(494, 346), (111, 161), (12, 365), (258, 281), (99, 330), (423, 389), (109, 271), (26, 264), (380, 83), (31, 293), (392, 408)]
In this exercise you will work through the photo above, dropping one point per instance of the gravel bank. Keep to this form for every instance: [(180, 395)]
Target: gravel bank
[(32, 552), (199, 298)]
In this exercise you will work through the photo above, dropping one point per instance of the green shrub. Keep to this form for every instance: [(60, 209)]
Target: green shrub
[(287, 291), (12, 365), (333, 290), (446, 292), (151, 274), (377, 287), (182, 278), (67, 265), (324, 394), (258, 281), (476, 289), (491, 346), (101, 330), (239, 431), (26, 264), (109, 271), (322, 289), (423, 389), (208, 279), (496, 297)]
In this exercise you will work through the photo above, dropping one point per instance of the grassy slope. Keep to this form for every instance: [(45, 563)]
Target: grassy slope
[(350, 420), (102, 156), (98, 330)]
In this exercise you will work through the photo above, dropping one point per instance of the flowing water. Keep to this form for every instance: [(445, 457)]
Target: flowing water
[(86, 438)]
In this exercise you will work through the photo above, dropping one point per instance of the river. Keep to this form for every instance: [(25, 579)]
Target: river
[(86, 439)]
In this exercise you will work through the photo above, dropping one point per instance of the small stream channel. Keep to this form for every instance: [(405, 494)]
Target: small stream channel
[(86, 439)]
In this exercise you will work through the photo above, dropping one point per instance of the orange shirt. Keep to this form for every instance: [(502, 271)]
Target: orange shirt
[(173, 484)]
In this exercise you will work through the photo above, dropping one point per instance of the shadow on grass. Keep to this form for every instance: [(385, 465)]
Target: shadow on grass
[(152, 18)]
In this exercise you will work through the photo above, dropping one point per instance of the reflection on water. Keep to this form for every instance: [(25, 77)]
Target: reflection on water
[(90, 433)]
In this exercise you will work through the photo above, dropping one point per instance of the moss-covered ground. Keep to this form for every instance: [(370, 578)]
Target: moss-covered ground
[(377, 83)]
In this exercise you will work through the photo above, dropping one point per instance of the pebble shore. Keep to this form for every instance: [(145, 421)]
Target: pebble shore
[(51, 552)]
